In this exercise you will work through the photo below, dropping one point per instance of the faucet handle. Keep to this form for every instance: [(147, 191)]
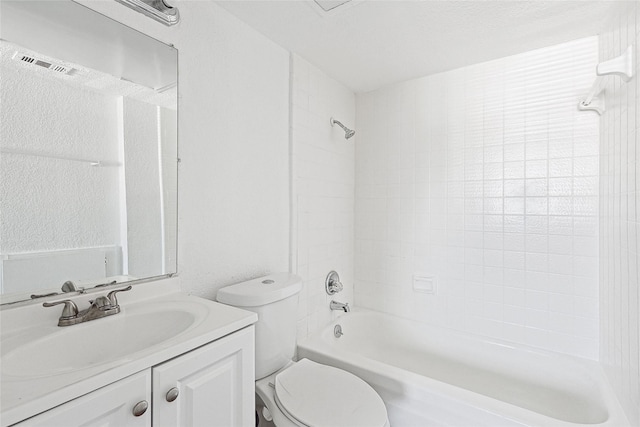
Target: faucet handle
[(332, 283), (69, 311), (34, 296), (69, 286), (102, 303), (112, 295)]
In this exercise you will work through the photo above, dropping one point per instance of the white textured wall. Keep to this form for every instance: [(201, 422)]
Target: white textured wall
[(487, 178), (323, 190), (620, 217), (233, 213), (50, 203)]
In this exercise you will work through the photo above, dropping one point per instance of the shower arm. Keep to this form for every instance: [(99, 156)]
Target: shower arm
[(334, 121), (348, 133)]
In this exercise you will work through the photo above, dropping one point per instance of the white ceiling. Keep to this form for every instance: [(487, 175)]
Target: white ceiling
[(372, 43)]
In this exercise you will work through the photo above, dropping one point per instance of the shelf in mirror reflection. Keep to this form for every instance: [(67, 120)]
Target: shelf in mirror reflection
[(97, 163)]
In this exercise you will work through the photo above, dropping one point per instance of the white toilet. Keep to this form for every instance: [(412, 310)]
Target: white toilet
[(302, 393)]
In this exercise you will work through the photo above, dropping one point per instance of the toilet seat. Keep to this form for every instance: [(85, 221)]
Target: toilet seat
[(311, 394)]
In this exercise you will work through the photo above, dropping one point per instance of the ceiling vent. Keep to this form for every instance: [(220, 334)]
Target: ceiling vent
[(30, 59)]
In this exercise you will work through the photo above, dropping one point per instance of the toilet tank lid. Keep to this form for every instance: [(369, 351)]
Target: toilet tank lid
[(260, 291)]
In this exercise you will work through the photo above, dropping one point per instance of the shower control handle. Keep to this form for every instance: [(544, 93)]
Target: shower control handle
[(332, 284)]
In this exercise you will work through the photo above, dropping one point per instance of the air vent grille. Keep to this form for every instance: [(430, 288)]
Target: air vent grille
[(30, 59)]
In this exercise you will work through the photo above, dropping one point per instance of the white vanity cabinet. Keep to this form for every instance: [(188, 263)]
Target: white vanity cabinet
[(109, 406), (212, 385), (209, 386)]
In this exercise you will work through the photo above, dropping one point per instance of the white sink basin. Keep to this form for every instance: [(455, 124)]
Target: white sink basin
[(78, 347)]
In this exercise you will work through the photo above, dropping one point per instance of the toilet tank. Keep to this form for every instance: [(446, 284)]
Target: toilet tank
[(274, 298)]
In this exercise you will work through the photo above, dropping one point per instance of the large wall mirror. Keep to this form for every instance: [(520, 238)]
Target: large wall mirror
[(88, 150)]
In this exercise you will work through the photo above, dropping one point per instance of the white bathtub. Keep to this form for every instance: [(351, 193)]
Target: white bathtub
[(437, 377)]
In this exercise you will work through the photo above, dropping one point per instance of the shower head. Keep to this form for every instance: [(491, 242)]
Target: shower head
[(348, 133)]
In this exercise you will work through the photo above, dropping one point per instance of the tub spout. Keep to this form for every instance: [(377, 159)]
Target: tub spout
[(335, 305)]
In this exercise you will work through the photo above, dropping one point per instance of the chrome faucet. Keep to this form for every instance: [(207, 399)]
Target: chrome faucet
[(101, 307), (335, 305)]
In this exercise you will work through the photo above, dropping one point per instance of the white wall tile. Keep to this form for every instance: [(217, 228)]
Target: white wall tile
[(323, 188), (619, 260), (503, 186)]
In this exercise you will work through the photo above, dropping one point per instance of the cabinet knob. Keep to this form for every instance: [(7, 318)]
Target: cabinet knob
[(173, 394), (140, 408)]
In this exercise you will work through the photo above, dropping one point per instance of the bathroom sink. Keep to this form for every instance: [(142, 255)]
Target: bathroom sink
[(43, 365), (79, 347)]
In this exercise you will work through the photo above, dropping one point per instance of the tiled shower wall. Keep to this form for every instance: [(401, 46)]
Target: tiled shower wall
[(323, 192), (486, 178), (620, 217)]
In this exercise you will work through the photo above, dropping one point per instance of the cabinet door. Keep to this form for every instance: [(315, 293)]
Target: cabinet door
[(109, 406), (214, 385)]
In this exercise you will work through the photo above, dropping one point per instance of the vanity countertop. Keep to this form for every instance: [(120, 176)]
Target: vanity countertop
[(24, 394)]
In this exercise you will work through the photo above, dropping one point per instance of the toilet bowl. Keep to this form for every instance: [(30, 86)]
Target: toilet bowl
[(303, 393)]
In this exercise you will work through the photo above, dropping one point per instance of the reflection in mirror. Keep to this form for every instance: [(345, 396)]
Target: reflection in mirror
[(88, 151)]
